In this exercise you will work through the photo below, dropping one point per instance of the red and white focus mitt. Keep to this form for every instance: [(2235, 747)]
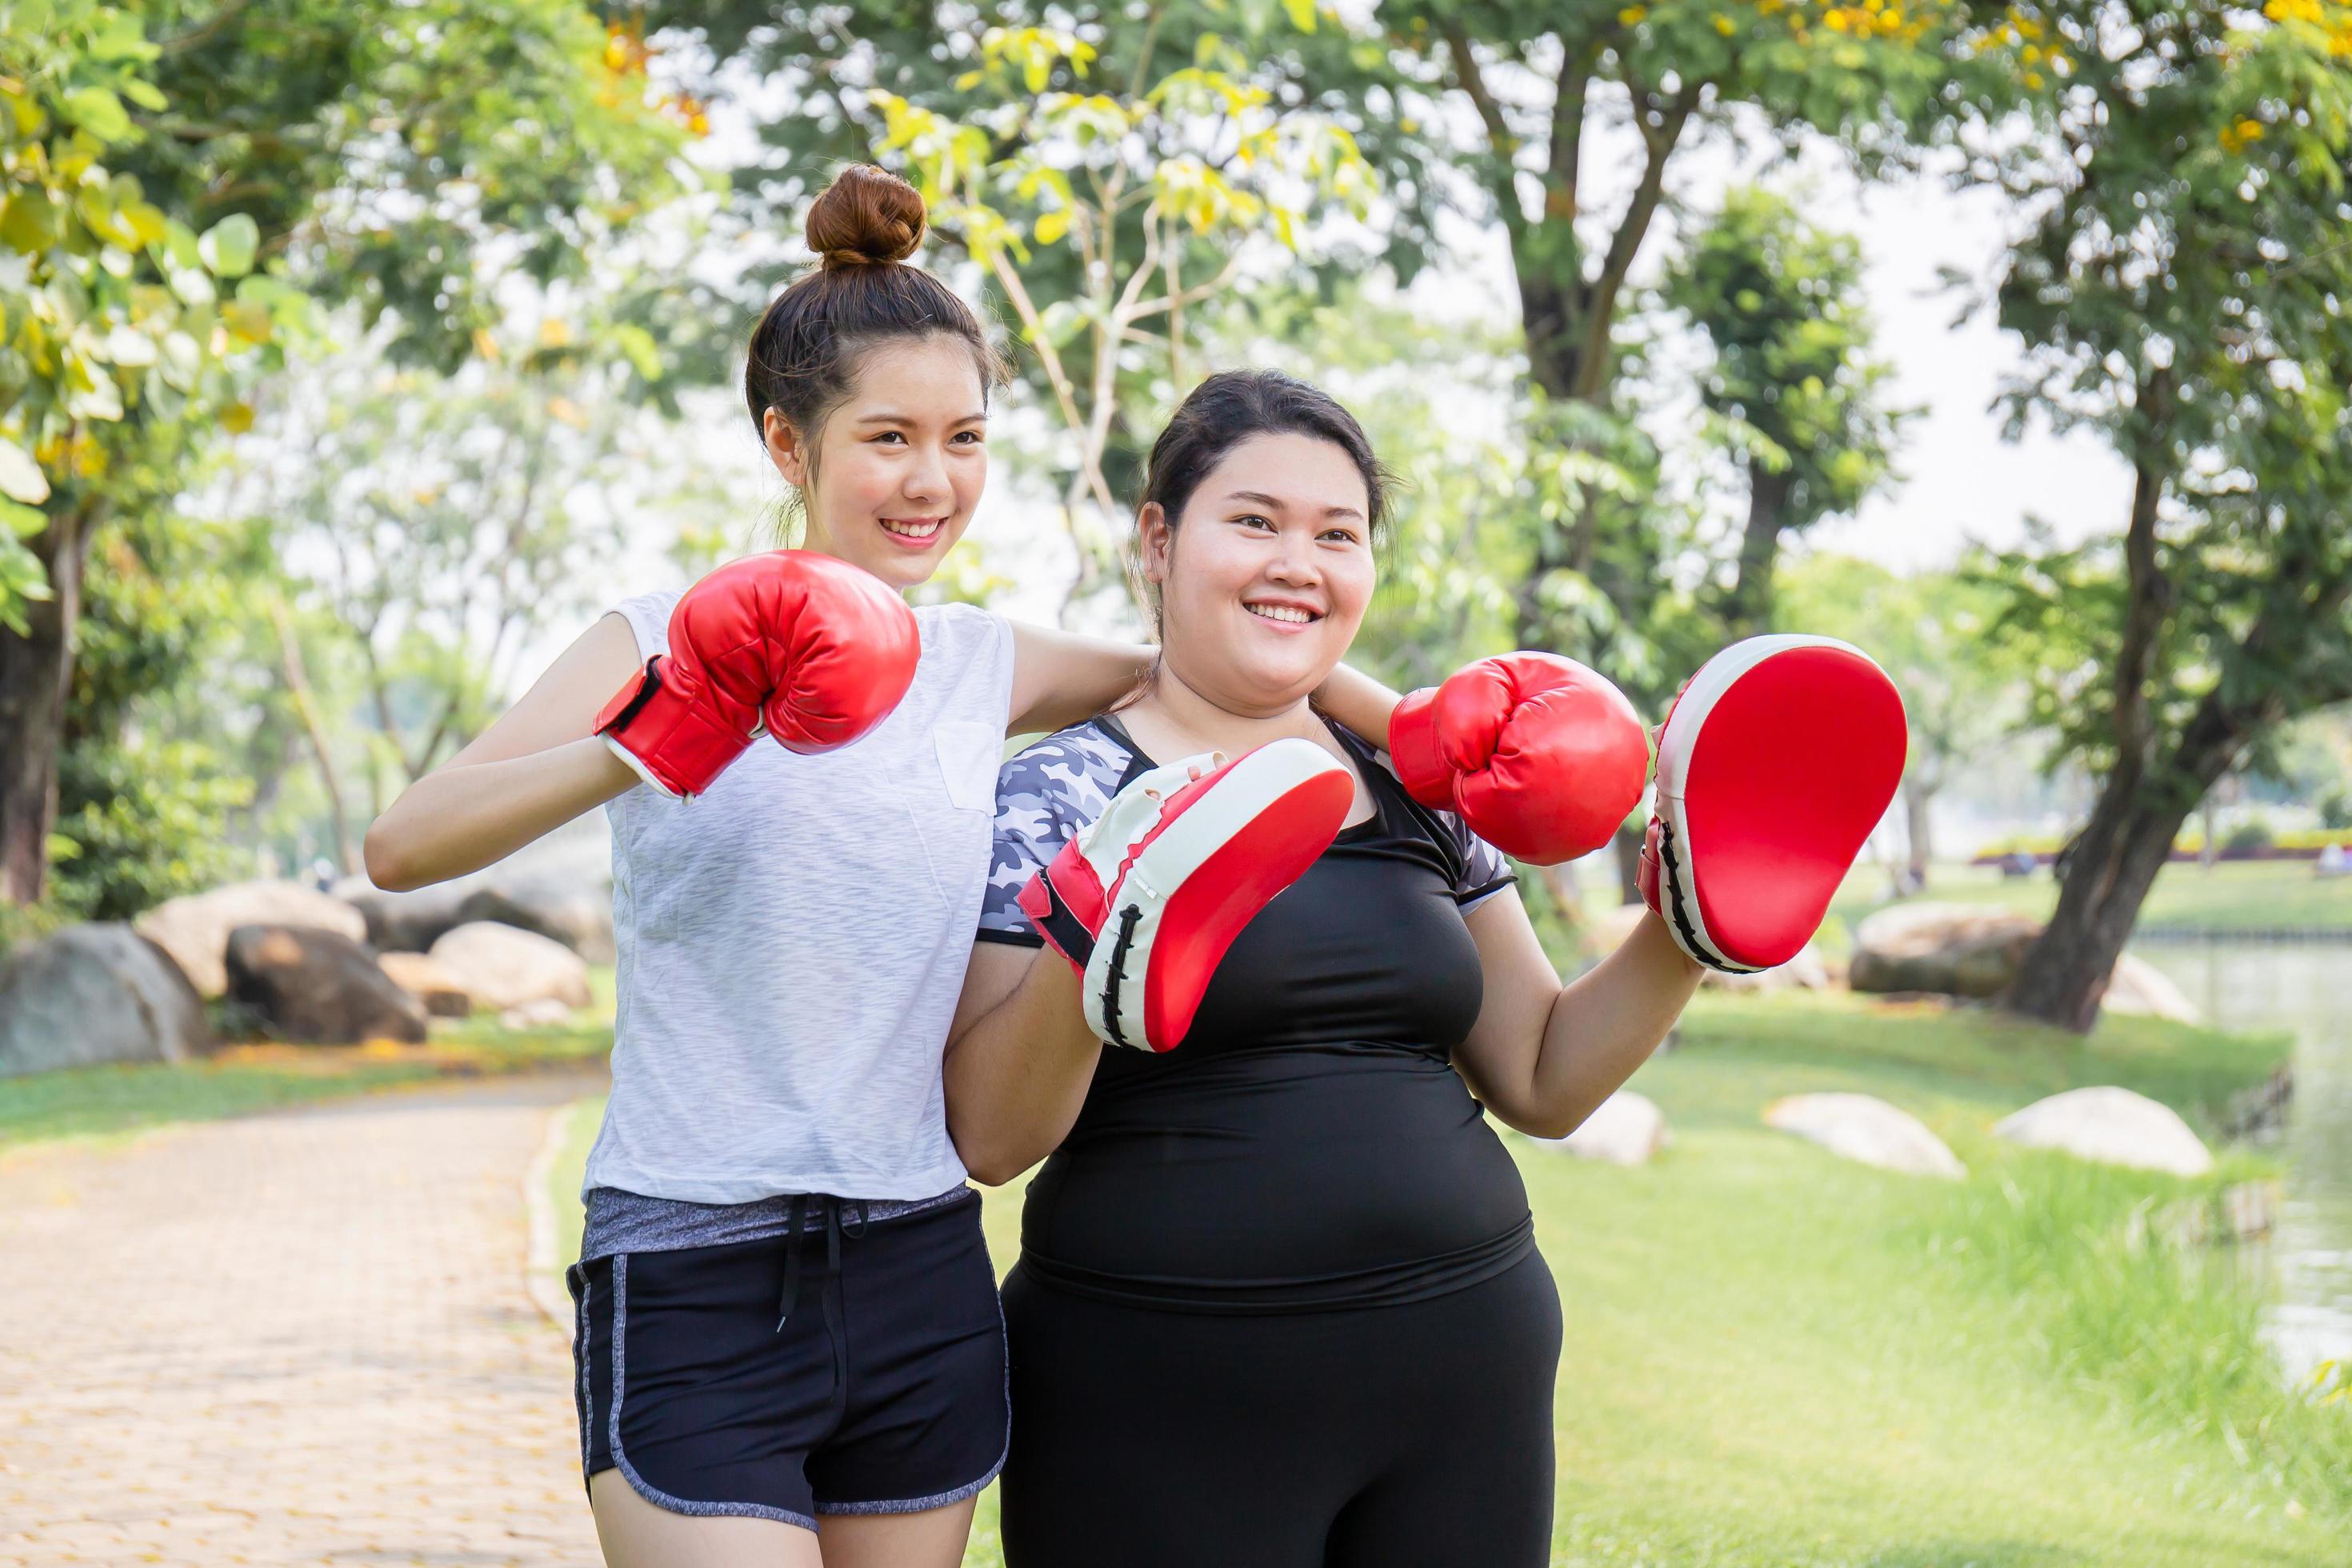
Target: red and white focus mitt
[(1145, 899), (1777, 760)]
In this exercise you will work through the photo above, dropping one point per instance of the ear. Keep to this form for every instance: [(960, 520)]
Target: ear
[(785, 448), (1157, 539)]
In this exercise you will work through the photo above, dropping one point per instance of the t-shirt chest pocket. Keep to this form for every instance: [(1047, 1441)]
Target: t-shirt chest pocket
[(969, 753)]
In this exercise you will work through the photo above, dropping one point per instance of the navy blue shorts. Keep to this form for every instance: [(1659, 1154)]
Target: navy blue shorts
[(883, 1392)]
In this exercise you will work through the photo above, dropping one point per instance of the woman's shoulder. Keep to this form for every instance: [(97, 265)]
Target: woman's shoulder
[(1071, 773)]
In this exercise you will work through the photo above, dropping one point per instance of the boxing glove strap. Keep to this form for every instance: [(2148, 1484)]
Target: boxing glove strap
[(1412, 750), (1063, 931), (669, 740)]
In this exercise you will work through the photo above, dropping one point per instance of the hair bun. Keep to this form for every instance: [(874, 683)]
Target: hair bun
[(867, 218)]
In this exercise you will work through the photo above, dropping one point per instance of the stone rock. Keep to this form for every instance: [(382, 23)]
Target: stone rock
[(194, 929), (319, 987), (1966, 950), (578, 915), (502, 966), (1866, 1129), (2140, 987), (1956, 950), (97, 994), (404, 922), (537, 1015), (1806, 971), (1626, 1129), (418, 974), (2113, 1126)]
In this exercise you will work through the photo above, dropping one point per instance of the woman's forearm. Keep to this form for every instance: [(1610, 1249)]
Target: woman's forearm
[(1017, 1074), (462, 818), (1604, 1025)]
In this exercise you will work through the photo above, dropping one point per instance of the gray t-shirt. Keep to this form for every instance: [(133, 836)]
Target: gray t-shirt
[(792, 944)]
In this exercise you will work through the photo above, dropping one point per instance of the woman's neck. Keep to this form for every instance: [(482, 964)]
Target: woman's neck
[(1177, 720)]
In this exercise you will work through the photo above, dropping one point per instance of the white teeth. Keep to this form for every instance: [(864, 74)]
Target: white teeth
[(1279, 612), (912, 530)]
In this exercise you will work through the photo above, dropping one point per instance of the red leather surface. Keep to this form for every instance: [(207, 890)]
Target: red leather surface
[(1789, 772)]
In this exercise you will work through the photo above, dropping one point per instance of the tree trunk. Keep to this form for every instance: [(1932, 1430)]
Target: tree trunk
[(1749, 610), (297, 682), (2064, 974), (1917, 797), (1628, 845), (2117, 859), (34, 672), (2144, 801)]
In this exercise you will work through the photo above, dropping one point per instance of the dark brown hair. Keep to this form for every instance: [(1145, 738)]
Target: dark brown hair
[(1228, 409), (863, 292)]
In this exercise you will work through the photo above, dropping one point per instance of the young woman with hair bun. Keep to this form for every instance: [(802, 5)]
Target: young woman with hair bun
[(788, 1348)]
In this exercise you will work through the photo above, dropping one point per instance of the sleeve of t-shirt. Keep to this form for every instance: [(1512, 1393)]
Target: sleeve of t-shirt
[(1044, 794), (1486, 870), (648, 618)]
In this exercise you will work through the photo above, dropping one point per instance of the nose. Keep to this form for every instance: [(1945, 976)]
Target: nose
[(1294, 561), (926, 476)]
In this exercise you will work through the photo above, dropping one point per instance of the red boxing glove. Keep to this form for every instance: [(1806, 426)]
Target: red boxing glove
[(803, 644), (1542, 757), (1776, 760)]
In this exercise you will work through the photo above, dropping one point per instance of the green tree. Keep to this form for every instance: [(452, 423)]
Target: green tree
[(1030, 75), (1197, 159), (183, 179), (1673, 73), (1960, 693), (2181, 292), (1800, 403)]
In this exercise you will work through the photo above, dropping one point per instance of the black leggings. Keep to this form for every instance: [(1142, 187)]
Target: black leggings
[(1409, 1436)]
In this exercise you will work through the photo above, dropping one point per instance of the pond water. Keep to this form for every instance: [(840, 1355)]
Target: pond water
[(2305, 988)]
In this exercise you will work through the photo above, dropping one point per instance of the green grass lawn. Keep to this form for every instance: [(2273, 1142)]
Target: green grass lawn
[(1774, 1357), (243, 1079)]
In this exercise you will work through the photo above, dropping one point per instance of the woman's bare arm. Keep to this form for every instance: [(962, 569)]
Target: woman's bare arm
[(1359, 702), (1060, 678), (1019, 1058), (534, 769), (1542, 1055)]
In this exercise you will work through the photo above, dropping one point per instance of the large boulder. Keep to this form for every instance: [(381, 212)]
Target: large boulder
[(2113, 1126), (577, 913), (1626, 1129), (1956, 950), (319, 987), (404, 922), (1966, 950), (502, 966), (194, 929), (1806, 971), (2138, 986), (1864, 1127), (96, 994), (421, 977)]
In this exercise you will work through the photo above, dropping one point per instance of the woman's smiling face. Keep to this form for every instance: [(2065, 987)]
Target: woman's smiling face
[(901, 462), (1266, 576)]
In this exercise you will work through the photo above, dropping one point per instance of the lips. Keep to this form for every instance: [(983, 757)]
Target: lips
[(914, 533), (1282, 614)]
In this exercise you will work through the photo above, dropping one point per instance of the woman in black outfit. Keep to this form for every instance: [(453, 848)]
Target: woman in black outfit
[(1279, 1301)]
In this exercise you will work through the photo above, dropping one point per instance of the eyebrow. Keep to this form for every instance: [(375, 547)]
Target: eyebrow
[(892, 416), (1280, 504)]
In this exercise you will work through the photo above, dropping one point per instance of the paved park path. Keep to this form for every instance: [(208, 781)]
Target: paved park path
[(300, 1338)]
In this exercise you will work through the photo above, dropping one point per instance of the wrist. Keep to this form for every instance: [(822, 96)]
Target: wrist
[(1413, 751)]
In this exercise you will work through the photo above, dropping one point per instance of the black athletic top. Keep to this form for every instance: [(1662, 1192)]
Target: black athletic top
[(1310, 1144)]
